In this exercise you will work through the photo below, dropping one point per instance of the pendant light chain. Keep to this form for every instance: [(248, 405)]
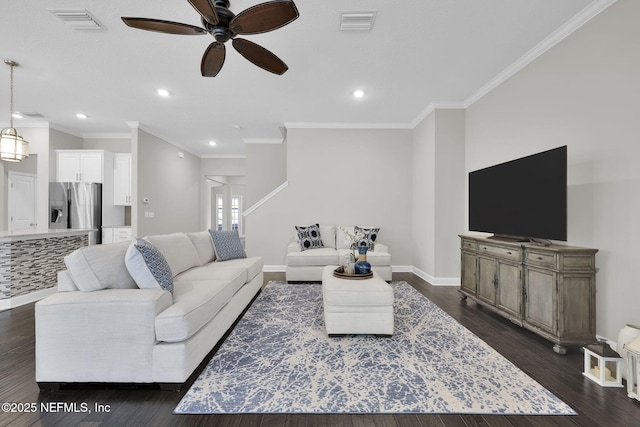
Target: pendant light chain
[(11, 96)]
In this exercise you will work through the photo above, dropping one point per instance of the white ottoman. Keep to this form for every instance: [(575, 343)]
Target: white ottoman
[(356, 306)]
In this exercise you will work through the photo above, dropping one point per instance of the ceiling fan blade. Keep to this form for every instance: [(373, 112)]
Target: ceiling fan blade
[(264, 17), (206, 9), (161, 26), (260, 56), (212, 60)]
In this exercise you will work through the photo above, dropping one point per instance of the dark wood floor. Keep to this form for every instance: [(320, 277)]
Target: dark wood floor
[(149, 406)]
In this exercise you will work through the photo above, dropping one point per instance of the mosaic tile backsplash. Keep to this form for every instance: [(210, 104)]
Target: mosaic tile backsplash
[(32, 265)]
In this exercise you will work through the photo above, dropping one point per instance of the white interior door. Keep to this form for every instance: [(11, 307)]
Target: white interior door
[(22, 201)]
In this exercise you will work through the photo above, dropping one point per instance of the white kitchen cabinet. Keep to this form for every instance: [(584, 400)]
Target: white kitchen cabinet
[(80, 165), (122, 179), (115, 234)]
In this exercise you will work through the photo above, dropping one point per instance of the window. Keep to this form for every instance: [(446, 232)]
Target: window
[(236, 213), (219, 211)]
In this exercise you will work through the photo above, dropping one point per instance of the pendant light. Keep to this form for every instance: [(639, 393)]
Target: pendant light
[(13, 148)]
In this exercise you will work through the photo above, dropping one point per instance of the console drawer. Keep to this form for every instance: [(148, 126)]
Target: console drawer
[(543, 259), (512, 253), (470, 245)]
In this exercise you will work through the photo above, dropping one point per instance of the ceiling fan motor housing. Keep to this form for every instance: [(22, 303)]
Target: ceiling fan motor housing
[(221, 31)]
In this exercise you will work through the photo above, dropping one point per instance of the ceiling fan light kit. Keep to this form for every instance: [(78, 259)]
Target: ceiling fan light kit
[(223, 25), (13, 148)]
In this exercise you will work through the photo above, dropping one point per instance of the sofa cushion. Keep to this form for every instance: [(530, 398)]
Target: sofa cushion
[(213, 270), (204, 246), (309, 236), (148, 266), (99, 267), (195, 303), (321, 256), (177, 250)]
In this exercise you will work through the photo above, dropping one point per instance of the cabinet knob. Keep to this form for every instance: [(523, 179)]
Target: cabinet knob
[(540, 258), (509, 253)]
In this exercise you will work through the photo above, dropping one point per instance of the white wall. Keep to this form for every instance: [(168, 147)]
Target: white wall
[(582, 93), (338, 176)]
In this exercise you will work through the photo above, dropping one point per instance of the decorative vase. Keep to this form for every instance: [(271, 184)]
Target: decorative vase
[(627, 334), (362, 266)]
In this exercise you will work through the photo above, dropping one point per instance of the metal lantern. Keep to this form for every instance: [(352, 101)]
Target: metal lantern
[(633, 368), (602, 365)]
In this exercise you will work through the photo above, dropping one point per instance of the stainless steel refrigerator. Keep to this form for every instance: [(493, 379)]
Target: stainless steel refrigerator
[(76, 205)]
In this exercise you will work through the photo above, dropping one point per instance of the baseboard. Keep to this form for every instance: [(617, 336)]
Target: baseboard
[(6, 304), (435, 281)]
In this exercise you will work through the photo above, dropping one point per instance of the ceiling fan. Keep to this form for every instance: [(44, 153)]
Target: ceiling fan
[(223, 25)]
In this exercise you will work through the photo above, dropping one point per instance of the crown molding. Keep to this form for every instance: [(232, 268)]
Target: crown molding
[(107, 135), (344, 125), (553, 39), (453, 105), (263, 140), (223, 156)]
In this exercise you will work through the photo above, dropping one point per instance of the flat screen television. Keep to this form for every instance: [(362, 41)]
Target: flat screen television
[(523, 199)]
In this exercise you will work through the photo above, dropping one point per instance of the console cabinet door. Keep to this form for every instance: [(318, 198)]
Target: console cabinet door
[(510, 289), (487, 280), (469, 263), (541, 299)]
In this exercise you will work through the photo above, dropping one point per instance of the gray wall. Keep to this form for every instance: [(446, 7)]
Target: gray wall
[(343, 177), (171, 183), (438, 196), (268, 163), (582, 93)]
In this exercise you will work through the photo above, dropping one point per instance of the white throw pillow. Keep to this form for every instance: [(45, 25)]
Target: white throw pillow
[(99, 267), (148, 266)]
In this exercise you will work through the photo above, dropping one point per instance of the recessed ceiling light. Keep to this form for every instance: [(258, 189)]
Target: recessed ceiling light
[(358, 93), (17, 116), (81, 116), (212, 143), (163, 92)]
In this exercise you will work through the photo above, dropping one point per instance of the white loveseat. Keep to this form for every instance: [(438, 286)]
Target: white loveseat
[(307, 265), (100, 327)]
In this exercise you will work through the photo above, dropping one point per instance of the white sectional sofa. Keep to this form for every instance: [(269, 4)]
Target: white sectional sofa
[(307, 265), (101, 327)]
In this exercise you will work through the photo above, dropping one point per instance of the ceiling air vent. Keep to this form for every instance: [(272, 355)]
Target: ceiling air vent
[(361, 20), (33, 115), (78, 19)]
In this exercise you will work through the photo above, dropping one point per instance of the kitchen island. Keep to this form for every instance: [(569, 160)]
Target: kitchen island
[(30, 261)]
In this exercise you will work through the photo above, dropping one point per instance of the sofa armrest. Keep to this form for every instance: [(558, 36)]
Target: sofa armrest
[(293, 247), (379, 247), (100, 336)]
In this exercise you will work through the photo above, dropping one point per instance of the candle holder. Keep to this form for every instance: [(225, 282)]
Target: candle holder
[(602, 365)]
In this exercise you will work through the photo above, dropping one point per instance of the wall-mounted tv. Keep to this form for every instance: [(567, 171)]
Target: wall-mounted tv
[(523, 198)]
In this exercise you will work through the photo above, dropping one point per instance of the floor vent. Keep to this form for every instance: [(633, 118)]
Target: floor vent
[(361, 20), (78, 19)]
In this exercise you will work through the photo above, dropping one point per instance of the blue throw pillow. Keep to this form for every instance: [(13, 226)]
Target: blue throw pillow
[(227, 244), (148, 267)]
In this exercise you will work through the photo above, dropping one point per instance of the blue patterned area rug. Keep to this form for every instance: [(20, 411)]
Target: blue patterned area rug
[(279, 359)]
